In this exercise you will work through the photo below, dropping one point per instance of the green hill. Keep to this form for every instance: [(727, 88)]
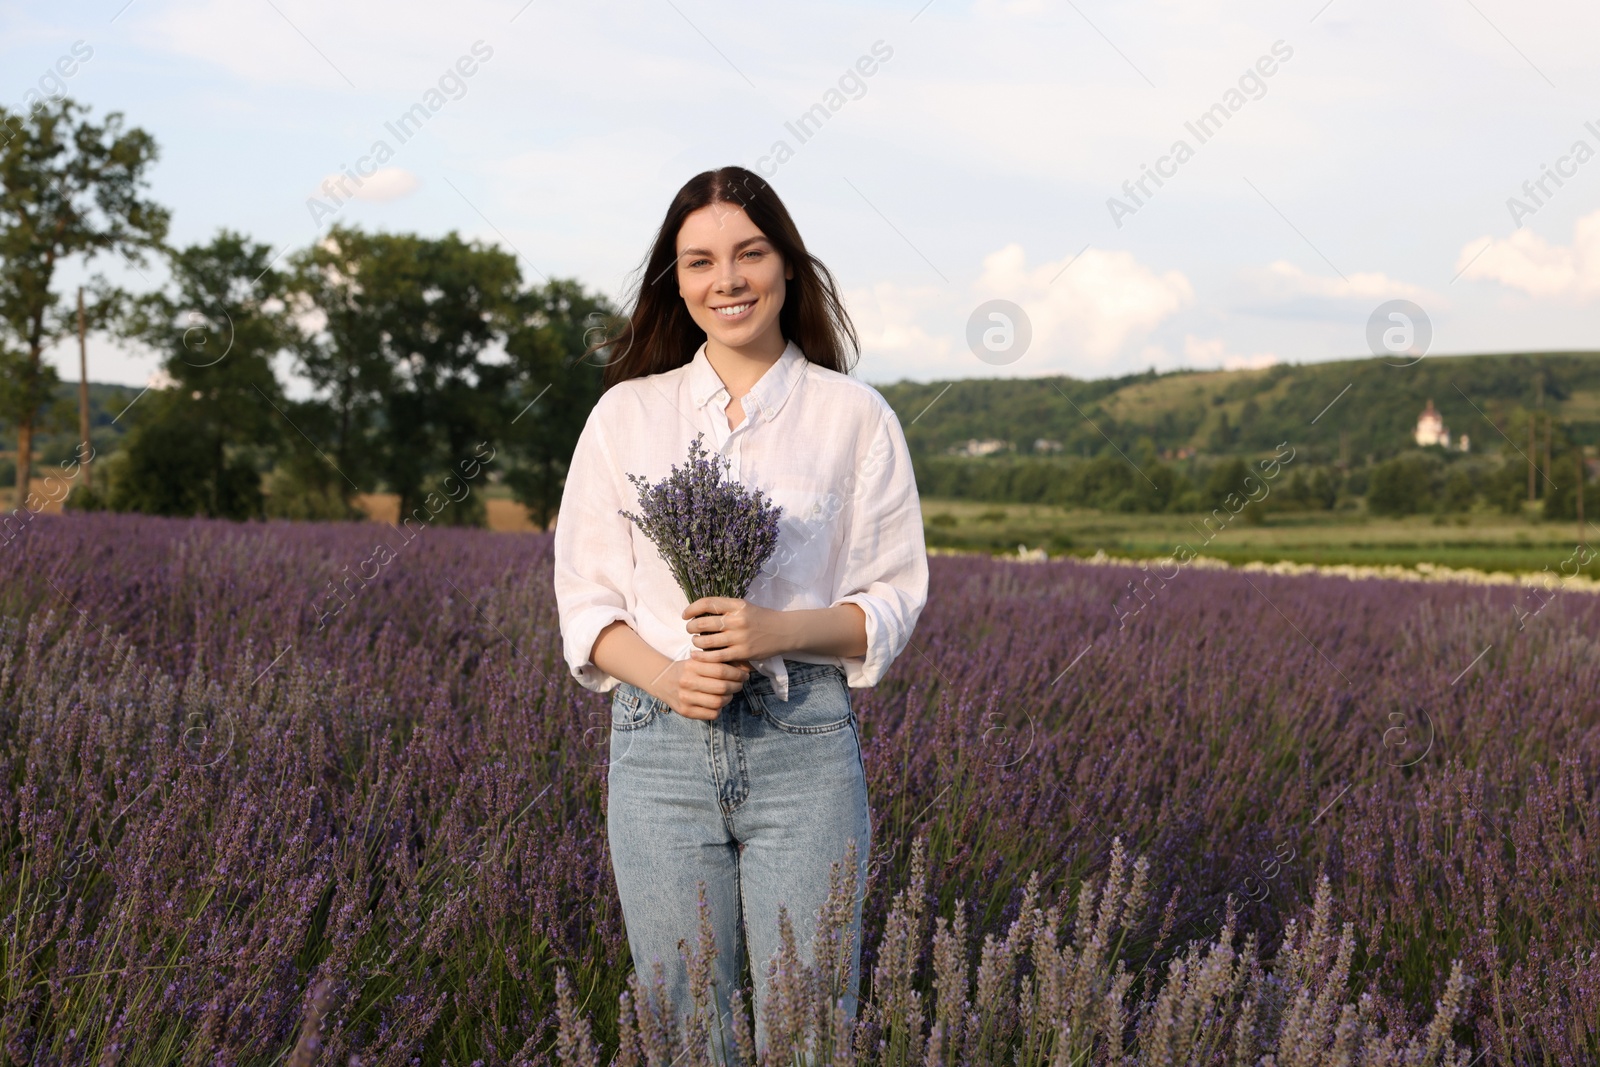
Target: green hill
[(1246, 412), (56, 433), (1181, 441)]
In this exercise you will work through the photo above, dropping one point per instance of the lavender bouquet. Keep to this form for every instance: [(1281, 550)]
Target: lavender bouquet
[(715, 535)]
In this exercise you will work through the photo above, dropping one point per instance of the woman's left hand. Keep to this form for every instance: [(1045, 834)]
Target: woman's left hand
[(729, 629)]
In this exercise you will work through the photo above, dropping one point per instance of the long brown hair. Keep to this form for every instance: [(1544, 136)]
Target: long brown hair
[(659, 334)]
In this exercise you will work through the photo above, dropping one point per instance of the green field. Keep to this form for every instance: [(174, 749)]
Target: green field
[(1480, 540)]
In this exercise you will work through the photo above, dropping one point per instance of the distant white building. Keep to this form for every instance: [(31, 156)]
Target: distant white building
[(1431, 430), (975, 447), (1045, 444)]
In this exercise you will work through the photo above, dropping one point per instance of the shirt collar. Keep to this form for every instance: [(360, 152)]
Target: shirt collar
[(769, 393)]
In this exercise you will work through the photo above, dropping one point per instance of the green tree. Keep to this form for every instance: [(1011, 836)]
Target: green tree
[(1561, 499), (408, 320), (1031, 480), (342, 356), (1112, 482), (1157, 494), (305, 484), (170, 470), (1297, 493), (552, 385), (1401, 486), (1325, 488), (1225, 478), (1507, 487), (199, 446), (67, 188), (1101, 482), (1459, 492), (1223, 436)]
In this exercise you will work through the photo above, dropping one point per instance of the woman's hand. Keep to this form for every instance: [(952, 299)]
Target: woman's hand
[(698, 689), (731, 630)]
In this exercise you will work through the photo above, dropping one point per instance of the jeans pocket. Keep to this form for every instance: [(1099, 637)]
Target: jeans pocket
[(631, 707), (819, 703)]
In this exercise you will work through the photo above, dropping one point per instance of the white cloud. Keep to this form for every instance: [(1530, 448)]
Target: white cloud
[(1085, 313), (384, 184), (1283, 289), (886, 316), (1528, 262), (1003, 8), (1084, 317), (1214, 353)]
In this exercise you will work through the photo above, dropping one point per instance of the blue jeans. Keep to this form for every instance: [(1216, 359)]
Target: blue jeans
[(758, 803)]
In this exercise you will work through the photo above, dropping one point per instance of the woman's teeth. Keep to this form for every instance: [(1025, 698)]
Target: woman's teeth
[(729, 312)]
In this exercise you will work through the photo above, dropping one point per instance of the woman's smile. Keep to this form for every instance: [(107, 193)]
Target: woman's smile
[(735, 312)]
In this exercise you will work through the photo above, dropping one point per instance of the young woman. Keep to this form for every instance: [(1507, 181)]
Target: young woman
[(735, 755)]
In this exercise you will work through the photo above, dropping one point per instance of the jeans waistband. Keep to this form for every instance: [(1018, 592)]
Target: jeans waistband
[(800, 672)]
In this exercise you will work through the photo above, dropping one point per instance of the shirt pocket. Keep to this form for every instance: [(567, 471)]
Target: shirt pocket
[(809, 532)]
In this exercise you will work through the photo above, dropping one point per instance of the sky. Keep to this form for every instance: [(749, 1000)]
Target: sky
[(1312, 160)]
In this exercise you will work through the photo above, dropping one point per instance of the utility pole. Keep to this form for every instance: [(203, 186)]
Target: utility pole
[(1533, 434), (1532, 451), (1549, 436), (83, 388), (1581, 473)]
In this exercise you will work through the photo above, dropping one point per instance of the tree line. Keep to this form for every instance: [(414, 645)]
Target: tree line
[(1428, 480), (417, 352)]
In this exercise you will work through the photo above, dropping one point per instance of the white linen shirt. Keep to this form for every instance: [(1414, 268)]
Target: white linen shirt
[(824, 445)]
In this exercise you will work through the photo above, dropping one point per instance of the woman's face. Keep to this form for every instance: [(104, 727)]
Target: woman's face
[(732, 278)]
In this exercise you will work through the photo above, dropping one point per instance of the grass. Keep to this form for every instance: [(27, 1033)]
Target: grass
[(1487, 541)]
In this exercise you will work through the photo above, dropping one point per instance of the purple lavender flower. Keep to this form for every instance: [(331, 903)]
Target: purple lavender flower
[(714, 534)]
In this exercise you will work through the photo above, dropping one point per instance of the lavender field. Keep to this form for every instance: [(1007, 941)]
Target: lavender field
[(248, 822)]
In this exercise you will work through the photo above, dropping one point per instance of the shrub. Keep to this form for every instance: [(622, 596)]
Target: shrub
[(173, 470), (1401, 486), (1561, 499), (1325, 488), (1225, 478), (294, 493), (1459, 493)]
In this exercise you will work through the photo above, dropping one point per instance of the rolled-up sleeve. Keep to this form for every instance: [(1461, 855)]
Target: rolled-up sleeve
[(885, 572), (593, 555)]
